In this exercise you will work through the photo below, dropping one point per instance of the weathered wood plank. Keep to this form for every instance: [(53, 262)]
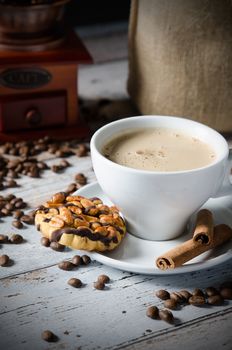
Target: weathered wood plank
[(204, 334), (113, 318)]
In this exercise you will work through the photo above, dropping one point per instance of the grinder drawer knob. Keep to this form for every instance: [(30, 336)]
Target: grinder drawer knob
[(33, 117)]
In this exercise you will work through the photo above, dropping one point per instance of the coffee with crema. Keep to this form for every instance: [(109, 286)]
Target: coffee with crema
[(159, 149)]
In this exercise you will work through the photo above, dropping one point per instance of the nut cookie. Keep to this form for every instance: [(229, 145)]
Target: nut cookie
[(80, 223)]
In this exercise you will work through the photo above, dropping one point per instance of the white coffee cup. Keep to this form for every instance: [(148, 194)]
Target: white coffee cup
[(157, 205)]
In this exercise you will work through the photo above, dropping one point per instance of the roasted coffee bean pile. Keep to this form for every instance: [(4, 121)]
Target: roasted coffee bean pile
[(76, 261), (99, 284), (11, 205), (5, 239), (26, 162), (210, 295), (23, 166), (101, 281), (58, 168), (53, 245), (156, 314), (46, 144), (175, 300)]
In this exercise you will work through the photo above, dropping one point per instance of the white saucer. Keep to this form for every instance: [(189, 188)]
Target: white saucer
[(138, 255)]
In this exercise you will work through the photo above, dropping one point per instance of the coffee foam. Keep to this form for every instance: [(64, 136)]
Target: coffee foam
[(159, 149)]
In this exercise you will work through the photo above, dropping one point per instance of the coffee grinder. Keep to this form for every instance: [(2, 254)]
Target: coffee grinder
[(39, 61)]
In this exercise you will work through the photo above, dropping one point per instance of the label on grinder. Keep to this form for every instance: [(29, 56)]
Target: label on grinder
[(25, 78)]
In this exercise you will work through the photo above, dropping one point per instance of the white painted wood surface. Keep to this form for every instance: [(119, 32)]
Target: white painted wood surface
[(34, 294)]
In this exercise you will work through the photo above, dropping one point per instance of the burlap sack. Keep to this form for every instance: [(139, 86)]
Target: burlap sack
[(180, 59)]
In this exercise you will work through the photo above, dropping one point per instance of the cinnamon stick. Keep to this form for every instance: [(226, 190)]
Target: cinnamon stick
[(188, 250), (204, 231)]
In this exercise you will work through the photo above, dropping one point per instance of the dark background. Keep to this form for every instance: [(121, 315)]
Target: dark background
[(87, 12)]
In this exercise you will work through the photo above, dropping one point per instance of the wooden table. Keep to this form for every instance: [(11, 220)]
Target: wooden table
[(34, 294)]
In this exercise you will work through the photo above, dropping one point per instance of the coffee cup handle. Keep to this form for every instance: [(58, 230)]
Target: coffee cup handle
[(226, 187)]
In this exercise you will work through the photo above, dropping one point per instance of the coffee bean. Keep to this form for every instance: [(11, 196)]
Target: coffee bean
[(45, 241), (71, 188), (19, 204), (13, 201), (56, 168), (162, 294), (85, 259), (210, 291), (19, 168), (17, 224), (82, 151), (66, 265), (198, 292), (226, 293), (103, 279), (49, 336), (81, 179), (177, 297), (23, 205), (76, 260), (11, 183), (2, 203), (42, 165), (185, 294), (170, 304), (4, 239), (5, 212), (24, 151), (197, 300), (4, 260), (34, 172), (52, 149), (18, 213), (59, 153), (75, 282), (27, 219), (16, 239), (99, 285), (9, 207), (152, 312), (166, 315), (216, 299), (64, 163), (13, 174), (57, 246)]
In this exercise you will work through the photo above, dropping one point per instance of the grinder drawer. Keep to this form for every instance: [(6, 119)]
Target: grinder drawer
[(32, 111)]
